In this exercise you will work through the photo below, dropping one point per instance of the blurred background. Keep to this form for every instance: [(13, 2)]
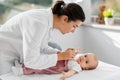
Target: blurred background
[(9, 8)]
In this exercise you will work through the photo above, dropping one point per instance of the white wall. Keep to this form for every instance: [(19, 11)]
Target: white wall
[(105, 43), (71, 40)]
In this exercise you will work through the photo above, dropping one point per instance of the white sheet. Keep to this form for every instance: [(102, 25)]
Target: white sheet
[(104, 71)]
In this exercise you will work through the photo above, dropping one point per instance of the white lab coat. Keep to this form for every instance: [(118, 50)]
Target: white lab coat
[(26, 37)]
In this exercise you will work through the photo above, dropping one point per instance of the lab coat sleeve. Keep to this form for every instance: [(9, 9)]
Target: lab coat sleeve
[(50, 50), (33, 31)]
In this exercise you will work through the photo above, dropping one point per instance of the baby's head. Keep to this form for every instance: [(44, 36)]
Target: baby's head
[(88, 61)]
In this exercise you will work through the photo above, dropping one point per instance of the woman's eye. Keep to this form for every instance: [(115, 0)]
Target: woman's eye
[(73, 26), (76, 25)]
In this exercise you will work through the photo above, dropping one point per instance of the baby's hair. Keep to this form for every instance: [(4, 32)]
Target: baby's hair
[(96, 62)]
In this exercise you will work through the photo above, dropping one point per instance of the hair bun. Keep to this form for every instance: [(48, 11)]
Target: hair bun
[(58, 6)]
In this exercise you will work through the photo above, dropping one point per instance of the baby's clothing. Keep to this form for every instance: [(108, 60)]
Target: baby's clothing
[(60, 66), (63, 65)]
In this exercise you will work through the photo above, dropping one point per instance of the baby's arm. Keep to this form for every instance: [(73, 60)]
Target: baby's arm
[(68, 74)]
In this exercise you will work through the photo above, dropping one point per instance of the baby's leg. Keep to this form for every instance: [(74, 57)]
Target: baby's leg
[(28, 71), (21, 70)]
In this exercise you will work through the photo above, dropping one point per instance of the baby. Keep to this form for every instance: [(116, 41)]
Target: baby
[(87, 61)]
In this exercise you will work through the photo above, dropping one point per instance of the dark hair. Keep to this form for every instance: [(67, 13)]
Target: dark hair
[(72, 10)]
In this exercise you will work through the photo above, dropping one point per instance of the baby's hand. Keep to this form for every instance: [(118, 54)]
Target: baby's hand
[(77, 51)]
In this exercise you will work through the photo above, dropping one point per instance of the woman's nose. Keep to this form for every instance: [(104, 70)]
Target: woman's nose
[(73, 30)]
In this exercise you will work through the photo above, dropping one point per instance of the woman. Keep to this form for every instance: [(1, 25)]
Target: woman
[(25, 37)]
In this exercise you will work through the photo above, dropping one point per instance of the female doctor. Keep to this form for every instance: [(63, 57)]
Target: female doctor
[(25, 36)]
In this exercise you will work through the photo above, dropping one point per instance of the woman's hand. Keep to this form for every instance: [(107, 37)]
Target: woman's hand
[(68, 54)]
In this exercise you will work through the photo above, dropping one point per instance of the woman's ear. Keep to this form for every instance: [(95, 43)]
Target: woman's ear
[(65, 18)]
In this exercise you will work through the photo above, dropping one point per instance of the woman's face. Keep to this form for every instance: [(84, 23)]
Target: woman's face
[(67, 27)]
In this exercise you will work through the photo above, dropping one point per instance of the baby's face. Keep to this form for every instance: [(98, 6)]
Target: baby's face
[(88, 61)]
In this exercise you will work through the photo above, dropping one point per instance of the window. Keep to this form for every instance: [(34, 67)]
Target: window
[(9, 8), (111, 4)]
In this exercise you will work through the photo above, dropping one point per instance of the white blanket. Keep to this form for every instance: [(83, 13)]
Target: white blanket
[(104, 71)]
